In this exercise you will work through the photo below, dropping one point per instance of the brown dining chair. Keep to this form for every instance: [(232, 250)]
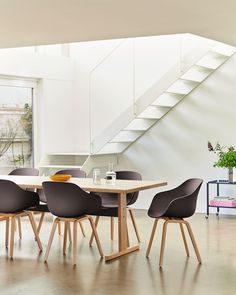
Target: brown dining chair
[(70, 204), (174, 206), (13, 203), (74, 172), (110, 203), (24, 171)]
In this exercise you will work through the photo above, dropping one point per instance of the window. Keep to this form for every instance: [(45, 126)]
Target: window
[(16, 125)]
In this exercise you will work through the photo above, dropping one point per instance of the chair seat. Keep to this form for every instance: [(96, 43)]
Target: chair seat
[(111, 203), (39, 208), (110, 212)]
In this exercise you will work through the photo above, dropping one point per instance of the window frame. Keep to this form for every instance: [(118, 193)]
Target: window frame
[(33, 84)]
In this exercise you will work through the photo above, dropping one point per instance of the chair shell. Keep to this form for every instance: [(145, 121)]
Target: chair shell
[(69, 200), (173, 206), (70, 203), (13, 201), (110, 203), (43, 207), (179, 202), (110, 200), (73, 172), (25, 171)]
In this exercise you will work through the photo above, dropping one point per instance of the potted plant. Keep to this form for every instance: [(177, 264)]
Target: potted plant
[(226, 157)]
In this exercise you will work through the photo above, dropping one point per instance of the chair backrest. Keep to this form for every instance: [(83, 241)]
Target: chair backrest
[(25, 171), (179, 202), (185, 207), (69, 200), (73, 172), (14, 199), (127, 175)]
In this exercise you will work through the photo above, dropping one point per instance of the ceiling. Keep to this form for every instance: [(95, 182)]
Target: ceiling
[(38, 22)]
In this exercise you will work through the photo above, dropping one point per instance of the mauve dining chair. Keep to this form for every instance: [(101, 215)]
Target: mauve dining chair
[(24, 171), (13, 203), (174, 206), (110, 203), (74, 172), (70, 203)]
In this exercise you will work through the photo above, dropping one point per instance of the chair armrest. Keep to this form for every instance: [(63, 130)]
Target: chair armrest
[(162, 201)]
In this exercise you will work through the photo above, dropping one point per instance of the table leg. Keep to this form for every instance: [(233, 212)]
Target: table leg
[(122, 230), (122, 219), (218, 193), (207, 201)]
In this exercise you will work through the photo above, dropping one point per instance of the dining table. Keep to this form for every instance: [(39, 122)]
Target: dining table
[(121, 188)]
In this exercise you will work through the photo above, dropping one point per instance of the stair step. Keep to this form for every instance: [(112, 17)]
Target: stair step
[(114, 148), (196, 74), (212, 60), (154, 112), (224, 49), (181, 86), (126, 136), (139, 124), (168, 99)]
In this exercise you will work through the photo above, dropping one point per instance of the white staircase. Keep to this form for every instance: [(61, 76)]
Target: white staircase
[(160, 106), (146, 112)]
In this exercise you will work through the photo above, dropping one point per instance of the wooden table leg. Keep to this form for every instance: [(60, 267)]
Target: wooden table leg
[(122, 230)]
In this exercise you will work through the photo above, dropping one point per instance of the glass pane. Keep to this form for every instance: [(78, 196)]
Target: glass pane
[(15, 128)]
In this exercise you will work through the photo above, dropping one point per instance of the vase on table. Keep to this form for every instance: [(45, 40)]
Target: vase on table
[(231, 174)]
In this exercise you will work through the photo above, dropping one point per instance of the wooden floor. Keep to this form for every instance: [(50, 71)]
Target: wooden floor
[(131, 274)]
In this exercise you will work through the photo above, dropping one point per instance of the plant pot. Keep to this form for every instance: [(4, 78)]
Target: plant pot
[(231, 174)]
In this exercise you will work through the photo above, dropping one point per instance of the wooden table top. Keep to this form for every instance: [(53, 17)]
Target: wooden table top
[(121, 186)]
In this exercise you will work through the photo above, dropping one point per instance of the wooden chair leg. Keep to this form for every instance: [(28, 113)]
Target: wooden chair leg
[(31, 218), (193, 241), (112, 228), (40, 222), (65, 236), (134, 224), (82, 228), (96, 236), (92, 235), (19, 227), (127, 232), (184, 239), (7, 233), (163, 240), (12, 236), (59, 227), (69, 233), (55, 223), (152, 236), (74, 242)]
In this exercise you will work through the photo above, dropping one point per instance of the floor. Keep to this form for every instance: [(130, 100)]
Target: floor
[(131, 274)]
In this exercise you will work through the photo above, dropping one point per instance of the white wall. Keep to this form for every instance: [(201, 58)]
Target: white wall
[(176, 147)]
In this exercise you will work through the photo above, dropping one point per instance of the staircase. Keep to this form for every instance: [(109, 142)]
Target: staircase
[(147, 111), (161, 105)]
